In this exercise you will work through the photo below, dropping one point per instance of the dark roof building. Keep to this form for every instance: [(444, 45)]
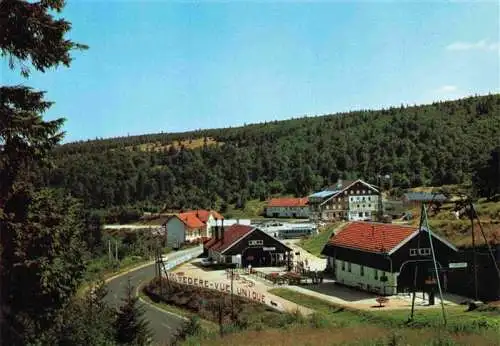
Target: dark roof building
[(246, 245), (361, 253), (426, 197)]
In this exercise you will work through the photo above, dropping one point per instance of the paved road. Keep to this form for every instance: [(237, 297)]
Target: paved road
[(131, 226), (163, 324)]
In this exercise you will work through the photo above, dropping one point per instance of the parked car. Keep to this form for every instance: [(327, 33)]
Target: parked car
[(207, 262)]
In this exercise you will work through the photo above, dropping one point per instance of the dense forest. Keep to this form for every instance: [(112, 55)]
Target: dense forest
[(432, 144)]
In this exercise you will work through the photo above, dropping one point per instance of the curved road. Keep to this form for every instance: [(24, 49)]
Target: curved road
[(163, 324)]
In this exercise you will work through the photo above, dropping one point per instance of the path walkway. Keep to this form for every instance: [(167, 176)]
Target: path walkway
[(314, 262), (346, 296)]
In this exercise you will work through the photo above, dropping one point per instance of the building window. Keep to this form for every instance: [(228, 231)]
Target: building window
[(424, 252), (362, 270), (350, 192), (343, 266), (413, 252), (369, 198), (382, 276), (363, 199), (360, 214), (375, 271), (357, 206), (364, 205), (369, 205), (364, 191), (349, 267), (357, 192)]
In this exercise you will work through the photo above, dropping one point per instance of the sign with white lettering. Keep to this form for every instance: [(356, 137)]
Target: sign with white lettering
[(255, 242), (268, 249), (458, 265), (218, 286)]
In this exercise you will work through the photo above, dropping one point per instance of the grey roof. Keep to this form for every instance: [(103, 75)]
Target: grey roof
[(425, 196), (323, 194)]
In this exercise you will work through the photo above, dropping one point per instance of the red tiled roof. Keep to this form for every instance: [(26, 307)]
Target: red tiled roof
[(287, 202), (203, 215), (190, 220), (371, 237), (231, 235)]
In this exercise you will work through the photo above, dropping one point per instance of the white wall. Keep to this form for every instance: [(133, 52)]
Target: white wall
[(367, 281), (176, 233), (193, 234), (210, 225), (365, 204)]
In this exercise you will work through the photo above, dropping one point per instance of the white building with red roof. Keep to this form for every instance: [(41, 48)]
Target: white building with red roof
[(191, 226), (288, 207), (383, 258)]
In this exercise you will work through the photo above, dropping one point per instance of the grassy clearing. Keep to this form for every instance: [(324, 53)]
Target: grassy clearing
[(187, 143), (458, 231), (333, 335), (253, 209), (459, 321), (335, 325), (315, 244)]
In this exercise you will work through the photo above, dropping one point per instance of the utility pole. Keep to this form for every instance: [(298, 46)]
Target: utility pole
[(109, 250), (116, 250), (415, 276), (435, 266), (474, 257), (220, 313), (232, 295)]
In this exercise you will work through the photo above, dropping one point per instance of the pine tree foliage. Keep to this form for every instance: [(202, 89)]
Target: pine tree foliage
[(432, 145), (131, 328), (85, 321), (40, 243), (487, 176)]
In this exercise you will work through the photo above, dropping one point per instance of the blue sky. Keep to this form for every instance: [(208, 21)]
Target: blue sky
[(172, 66)]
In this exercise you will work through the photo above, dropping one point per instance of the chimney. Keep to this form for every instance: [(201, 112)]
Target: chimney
[(216, 230), (222, 230)]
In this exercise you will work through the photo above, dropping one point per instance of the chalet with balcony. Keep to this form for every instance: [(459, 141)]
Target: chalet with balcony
[(347, 200)]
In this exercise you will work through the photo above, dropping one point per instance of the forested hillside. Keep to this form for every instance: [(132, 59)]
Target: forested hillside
[(431, 144)]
